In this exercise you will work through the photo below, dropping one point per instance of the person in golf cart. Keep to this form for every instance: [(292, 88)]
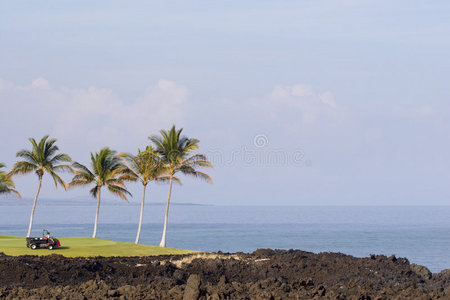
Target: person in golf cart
[(46, 235)]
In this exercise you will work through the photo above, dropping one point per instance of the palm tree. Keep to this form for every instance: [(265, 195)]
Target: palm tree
[(176, 152), (42, 158), (146, 166), (106, 170), (6, 184)]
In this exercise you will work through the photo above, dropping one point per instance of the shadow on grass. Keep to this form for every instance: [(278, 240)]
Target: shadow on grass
[(54, 249), (61, 248)]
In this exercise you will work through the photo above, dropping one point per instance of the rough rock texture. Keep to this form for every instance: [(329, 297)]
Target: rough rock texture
[(264, 274), (192, 288), (421, 271)]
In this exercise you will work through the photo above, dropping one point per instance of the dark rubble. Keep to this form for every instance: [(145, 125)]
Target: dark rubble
[(264, 274)]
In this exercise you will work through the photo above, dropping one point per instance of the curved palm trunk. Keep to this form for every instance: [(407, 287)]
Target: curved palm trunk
[(34, 206), (96, 214), (166, 217), (142, 213)]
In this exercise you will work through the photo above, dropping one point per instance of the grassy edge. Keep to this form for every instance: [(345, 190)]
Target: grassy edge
[(86, 247)]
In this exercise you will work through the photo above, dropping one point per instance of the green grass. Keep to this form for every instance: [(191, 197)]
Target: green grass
[(84, 247)]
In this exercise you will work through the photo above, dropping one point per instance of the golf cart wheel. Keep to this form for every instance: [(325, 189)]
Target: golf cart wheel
[(50, 247), (33, 246)]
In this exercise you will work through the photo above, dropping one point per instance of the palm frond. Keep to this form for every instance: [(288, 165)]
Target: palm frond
[(42, 158), (197, 174), (158, 141), (108, 169), (94, 191), (176, 152), (83, 176), (6, 184), (57, 179), (63, 168), (23, 167), (119, 191), (163, 179), (34, 144), (14, 191), (5, 190), (81, 169), (128, 174), (177, 180), (197, 160), (28, 156), (78, 182), (60, 158), (115, 180)]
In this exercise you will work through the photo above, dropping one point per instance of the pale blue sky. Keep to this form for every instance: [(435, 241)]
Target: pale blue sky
[(359, 88)]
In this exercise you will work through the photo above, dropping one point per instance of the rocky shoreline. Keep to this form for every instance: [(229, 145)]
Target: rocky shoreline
[(264, 274)]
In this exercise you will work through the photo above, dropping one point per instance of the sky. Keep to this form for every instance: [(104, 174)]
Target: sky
[(295, 102)]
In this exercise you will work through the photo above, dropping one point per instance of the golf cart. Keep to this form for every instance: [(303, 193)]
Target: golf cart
[(46, 241)]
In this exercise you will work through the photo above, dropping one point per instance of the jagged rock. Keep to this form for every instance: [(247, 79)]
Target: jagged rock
[(421, 270), (265, 274), (192, 289)]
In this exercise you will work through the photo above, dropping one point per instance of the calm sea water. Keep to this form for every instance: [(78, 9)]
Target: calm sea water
[(420, 233)]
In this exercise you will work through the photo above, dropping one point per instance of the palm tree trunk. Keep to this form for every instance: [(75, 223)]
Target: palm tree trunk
[(166, 217), (96, 214), (142, 213), (34, 206)]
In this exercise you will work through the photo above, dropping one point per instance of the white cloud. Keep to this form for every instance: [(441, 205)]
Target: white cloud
[(328, 98), (40, 83), (302, 90), (303, 97), (5, 84), (93, 117)]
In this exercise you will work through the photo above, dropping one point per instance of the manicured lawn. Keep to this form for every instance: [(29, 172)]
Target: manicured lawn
[(85, 247)]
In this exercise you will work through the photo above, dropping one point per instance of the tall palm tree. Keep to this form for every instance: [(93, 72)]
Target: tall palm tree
[(106, 170), (6, 184), (146, 166), (176, 152), (42, 158)]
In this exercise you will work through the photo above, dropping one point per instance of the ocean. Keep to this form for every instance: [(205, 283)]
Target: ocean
[(419, 233)]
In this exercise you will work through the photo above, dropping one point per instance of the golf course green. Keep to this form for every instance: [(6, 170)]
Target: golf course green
[(85, 247)]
